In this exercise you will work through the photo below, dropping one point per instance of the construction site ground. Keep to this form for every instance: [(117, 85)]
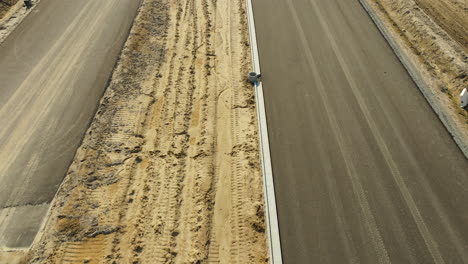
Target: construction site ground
[(431, 36), (169, 169), (5, 6)]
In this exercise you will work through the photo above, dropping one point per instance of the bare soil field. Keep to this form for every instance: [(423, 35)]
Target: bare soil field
[(450, 15), (432, 35), (5, 6), (169, 170)]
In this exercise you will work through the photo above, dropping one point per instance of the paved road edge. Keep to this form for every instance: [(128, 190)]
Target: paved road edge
[(418, 78), (272, 225)]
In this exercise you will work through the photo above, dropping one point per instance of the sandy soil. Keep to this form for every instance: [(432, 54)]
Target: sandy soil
[(13, 257), (168, 171), (12, 12), (450, 15), (432, 34)]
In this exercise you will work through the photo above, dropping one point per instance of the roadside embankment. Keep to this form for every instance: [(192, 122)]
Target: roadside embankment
[(169, 170), (429, 37)]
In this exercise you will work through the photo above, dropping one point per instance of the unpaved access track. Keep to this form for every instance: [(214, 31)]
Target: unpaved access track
[(168, 171)]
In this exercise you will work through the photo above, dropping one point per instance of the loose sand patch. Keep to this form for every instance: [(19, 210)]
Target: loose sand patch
[(168, 171)]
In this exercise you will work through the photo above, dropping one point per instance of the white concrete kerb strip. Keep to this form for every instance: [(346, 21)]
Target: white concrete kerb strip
[(272, 226)]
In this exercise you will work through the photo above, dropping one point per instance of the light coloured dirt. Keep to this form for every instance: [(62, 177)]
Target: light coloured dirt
[(168, 171), (5, 6), (13, 257), (432, 34), (450, 15)]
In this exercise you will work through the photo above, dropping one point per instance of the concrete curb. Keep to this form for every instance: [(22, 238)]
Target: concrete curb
[(418, 78), (271, 217)]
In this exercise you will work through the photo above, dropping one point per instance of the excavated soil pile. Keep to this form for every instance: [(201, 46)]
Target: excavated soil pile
[(433, 35), (168, 171)]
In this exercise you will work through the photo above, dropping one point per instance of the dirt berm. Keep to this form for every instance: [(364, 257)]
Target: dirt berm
[(168, 171)]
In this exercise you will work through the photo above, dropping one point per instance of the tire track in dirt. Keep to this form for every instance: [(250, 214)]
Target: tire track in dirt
[(169, 171), (160, 191)]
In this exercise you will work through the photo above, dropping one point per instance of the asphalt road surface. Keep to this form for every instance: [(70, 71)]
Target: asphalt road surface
[(53, 70), (364, 171)]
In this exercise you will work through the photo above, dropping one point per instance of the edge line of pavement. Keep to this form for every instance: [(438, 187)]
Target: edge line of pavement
[(272, 226)]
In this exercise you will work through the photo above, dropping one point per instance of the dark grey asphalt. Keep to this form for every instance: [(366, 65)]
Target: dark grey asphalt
[(364, 171), (53, 70)]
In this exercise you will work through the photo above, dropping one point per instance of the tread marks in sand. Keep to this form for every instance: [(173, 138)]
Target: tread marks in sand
[(169, 169)]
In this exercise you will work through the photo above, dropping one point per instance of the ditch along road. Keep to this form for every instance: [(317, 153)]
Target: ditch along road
[(364, 170), (53, 70)]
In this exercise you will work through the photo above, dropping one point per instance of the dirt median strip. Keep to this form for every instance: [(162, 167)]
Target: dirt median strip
[(169, 170)]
